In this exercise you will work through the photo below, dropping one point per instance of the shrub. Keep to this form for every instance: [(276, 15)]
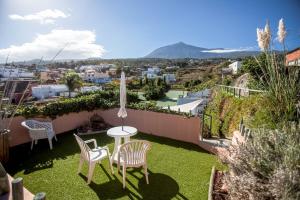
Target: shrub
[(266, 166), (28, 111), (154, 92), (132, 97), (88, 102)]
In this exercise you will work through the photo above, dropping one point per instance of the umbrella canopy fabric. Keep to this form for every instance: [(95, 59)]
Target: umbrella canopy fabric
[(122, 112)]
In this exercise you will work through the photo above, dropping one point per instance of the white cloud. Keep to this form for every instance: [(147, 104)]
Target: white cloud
[(77, 44), (228, 50), (47, 16)]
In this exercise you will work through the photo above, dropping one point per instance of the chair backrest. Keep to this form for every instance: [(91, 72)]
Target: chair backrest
[(83, 147), (33, 124), (134, 152), (29, 124)]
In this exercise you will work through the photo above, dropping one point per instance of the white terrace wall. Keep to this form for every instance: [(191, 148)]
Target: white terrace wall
[(160, 124)]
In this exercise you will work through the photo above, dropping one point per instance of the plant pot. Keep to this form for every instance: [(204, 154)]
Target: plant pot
[(4, 146), (217, 186)]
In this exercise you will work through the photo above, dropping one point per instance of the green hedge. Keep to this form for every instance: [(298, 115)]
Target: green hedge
[(88, 102)]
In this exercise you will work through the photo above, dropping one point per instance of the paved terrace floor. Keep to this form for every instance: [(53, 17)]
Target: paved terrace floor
[(177, 170)]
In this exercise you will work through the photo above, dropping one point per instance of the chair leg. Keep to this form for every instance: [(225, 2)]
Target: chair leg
[(80, 165), (55, 137), (146, 173), (32, 142), (91, 172), (124, 176), (35, 142), (50, 143), (110, 165)]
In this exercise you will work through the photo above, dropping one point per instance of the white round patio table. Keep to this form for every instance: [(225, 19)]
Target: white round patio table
[(118, 133)]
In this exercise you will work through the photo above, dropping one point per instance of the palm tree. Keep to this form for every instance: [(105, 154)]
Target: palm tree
[(72, 81)]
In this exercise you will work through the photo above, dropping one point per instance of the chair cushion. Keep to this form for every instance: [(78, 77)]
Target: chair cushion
[(97, 154)]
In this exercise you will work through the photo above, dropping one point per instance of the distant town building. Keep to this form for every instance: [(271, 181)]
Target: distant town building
[(193, 103), (194, 107), (41, 68), (12, 72), (101, 67), (293, 57), (50, 76), (170, 78), (48, 91), (151, 72), (90, 88), (235, 66), (112, 71), (23, 87), (93, 76), (172, 67), (193, 96)]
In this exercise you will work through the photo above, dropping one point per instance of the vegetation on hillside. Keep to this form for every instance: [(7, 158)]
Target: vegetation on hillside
[(266, 166), (227, 111), (273, 108)]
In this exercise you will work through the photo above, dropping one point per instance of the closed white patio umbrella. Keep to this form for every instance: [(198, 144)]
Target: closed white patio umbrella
[(122, 112)]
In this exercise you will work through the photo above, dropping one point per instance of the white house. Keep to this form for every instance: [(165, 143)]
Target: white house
[(11, 72), (92, 75), (48, 91), (151, 73), (170, 78), (195, 107), (235, 66), (90, 88)]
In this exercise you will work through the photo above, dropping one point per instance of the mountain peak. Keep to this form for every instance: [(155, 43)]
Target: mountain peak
[(180, 43), (183, 50)]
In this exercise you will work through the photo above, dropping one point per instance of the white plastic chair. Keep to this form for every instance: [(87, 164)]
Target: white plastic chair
[(92, 156), (39, 130), (133, 154)]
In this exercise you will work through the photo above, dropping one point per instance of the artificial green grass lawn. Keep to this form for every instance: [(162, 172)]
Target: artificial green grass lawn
[(177, 170)]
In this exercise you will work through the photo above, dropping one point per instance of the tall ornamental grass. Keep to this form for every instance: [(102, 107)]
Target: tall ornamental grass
[(282, 82)]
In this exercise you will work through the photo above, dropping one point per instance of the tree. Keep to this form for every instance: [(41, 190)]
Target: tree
[(141, 82), (154, 93), (72, 81), (145, 80), (118, 71), (158, 81)]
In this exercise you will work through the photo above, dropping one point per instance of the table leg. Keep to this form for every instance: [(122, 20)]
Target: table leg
[(114, 155)]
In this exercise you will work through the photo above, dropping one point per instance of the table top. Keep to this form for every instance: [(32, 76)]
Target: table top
[(118, 132)]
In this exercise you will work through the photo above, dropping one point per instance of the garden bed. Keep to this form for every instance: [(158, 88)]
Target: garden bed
[(217, 188)]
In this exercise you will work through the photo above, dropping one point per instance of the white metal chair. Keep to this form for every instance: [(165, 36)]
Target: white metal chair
[(92, 156), (133, 154), (39, 130)]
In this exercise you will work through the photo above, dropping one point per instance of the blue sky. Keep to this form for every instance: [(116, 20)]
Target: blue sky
[(133, 28)]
